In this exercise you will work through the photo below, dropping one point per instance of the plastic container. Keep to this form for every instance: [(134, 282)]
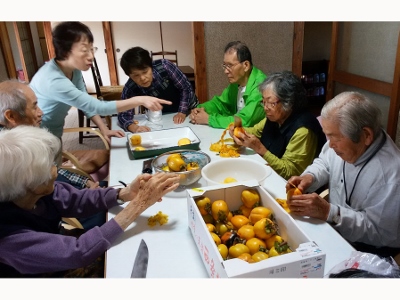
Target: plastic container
[(154, 119)]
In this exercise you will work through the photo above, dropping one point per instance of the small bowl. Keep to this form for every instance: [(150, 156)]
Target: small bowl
[(187, 177), (241, 169)]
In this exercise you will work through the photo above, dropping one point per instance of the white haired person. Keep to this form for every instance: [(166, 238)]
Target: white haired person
[(361, 164), (32, 204)]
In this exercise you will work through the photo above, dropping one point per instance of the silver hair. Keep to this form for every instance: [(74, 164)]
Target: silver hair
[(353, 111), (288, 88), (12, 98), (27, 154)]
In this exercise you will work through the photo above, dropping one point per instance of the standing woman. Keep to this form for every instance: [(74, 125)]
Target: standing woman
[(59, 84)]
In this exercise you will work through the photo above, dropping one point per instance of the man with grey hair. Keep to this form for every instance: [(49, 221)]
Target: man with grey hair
[(19, 106), (241, 98), (361, 163)]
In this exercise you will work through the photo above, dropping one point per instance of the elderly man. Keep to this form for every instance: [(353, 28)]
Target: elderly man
[(241, 98), (361, 163), (18, 106)]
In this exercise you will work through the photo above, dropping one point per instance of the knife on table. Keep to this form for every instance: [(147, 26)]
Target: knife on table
[(147, 167), (139, 269)]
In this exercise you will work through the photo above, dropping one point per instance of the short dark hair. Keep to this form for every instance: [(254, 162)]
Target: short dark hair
[(288, 88), (66, 34), (135, 58), (242, 51)]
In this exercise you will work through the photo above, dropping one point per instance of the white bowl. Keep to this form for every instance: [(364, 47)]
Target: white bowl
[(241, 169)]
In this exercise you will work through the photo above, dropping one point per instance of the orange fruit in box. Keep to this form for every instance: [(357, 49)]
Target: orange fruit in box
[(184, 141), (136, 139)]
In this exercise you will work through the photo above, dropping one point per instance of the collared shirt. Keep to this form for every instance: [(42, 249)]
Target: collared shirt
[(75, 179), (373, 215), (165, 73), (222, 109)]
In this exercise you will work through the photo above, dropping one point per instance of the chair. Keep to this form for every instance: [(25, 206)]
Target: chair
[(171, 55), (92, 163), (103, 93)]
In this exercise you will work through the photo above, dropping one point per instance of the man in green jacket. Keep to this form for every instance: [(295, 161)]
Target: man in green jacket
[(242, 96)]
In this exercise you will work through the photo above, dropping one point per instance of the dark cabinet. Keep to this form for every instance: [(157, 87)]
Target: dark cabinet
[(314, 79)]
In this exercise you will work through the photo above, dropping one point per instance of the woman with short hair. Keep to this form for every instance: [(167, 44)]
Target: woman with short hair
[(32, 205), (290, 137)]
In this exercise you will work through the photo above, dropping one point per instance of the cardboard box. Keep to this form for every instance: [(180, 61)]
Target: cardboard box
[(306, 260)]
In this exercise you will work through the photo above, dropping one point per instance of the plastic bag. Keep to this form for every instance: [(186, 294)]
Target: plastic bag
[(367, 265)]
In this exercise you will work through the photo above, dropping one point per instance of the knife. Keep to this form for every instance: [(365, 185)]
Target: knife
[(139, 269), (147, 167), (237, 122)]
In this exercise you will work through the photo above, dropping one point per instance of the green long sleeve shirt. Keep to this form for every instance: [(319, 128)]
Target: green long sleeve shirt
[(299, 154), (221, 109)]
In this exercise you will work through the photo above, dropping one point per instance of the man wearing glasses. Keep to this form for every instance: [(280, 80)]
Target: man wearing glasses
[(289, 137), (240, 98)]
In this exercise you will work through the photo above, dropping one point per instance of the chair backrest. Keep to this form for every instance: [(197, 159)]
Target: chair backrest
[(92, 163), (170, 55), (98, 82)]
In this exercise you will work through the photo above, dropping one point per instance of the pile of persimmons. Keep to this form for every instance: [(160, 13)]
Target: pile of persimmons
[(249, 233)]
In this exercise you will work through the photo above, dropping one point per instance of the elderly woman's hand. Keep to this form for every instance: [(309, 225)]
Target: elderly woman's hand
[(250, 141), (145, 190), (130, 192)]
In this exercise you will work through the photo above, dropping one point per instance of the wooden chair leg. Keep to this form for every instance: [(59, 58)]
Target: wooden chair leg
[(81, 118)]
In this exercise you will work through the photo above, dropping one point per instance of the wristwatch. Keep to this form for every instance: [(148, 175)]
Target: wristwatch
[(119, 200)]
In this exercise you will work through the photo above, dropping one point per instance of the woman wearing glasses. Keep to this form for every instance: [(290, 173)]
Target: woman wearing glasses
[(290, 137), (59, 84)]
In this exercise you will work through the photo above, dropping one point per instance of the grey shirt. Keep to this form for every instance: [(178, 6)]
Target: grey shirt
[(373, 216)]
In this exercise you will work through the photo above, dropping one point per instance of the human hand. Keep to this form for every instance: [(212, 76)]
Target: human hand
[(250, 141), (199, 116), (301, 182), (156, 187), (92, 185), (310, 205), (143, 129), (107, 133), (179, 118), (154, 103), (139, 183), (142, 193)]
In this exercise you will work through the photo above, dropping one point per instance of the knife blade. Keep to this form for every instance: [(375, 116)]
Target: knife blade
[(237, 122), (139, 269)]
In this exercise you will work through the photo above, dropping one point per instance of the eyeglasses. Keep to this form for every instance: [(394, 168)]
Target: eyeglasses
[(86, 51), (269, 104), (229, 67)]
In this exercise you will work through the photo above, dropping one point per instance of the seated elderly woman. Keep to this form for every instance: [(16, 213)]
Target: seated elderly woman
[(290, 137), (32, 204)]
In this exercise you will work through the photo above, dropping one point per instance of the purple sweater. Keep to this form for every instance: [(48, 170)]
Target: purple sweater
[(30, 251)]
